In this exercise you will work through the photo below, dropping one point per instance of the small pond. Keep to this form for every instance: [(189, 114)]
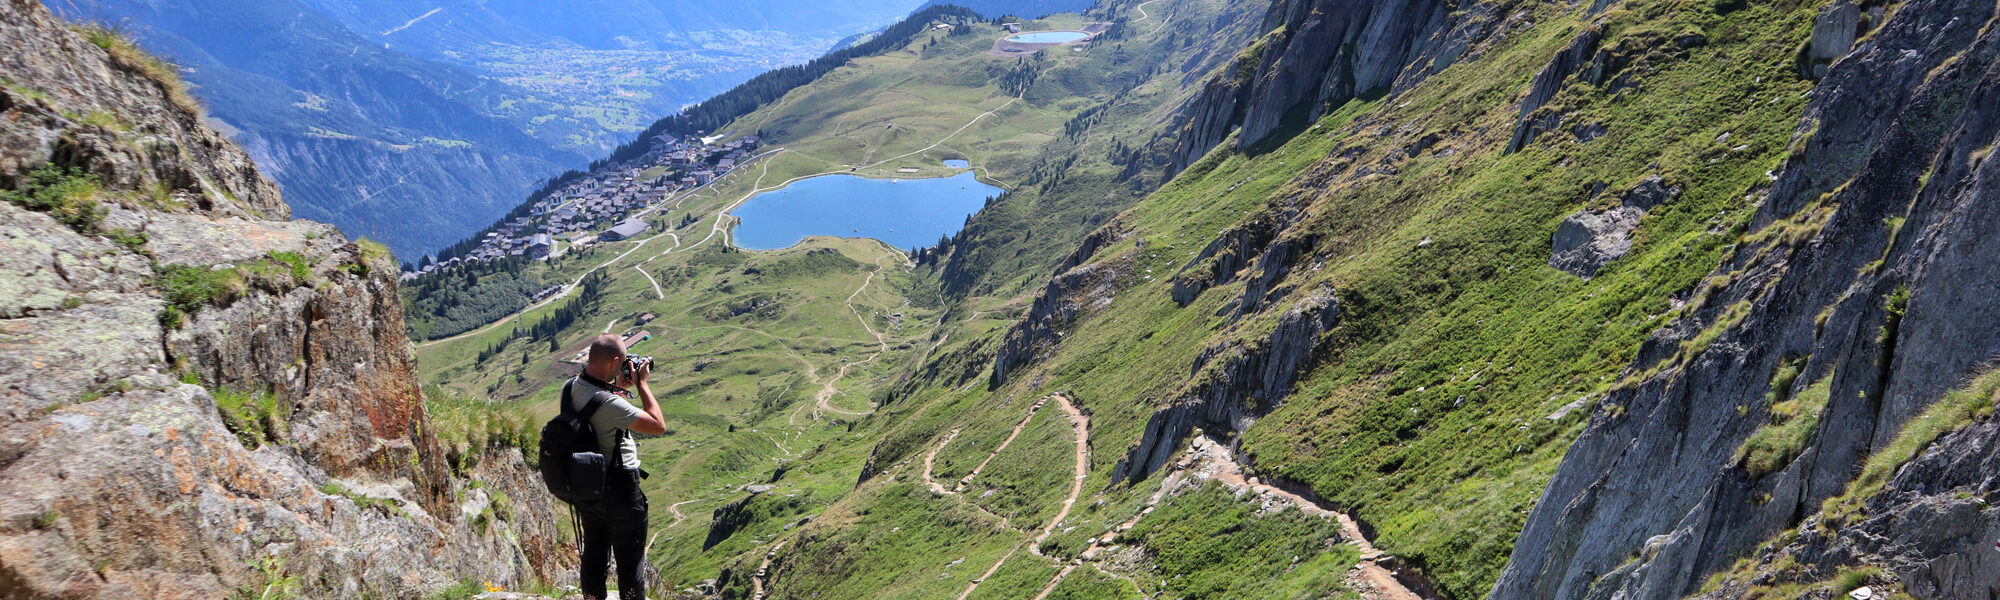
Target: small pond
[(906, 213), (1047, 37), (957, 164)]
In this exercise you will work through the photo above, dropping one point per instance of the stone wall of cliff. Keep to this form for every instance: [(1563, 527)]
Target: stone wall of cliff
[(1321, 53), (1869, 271), (152, 288)]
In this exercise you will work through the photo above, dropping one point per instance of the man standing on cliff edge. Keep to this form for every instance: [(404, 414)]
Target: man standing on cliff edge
[(616, 524)]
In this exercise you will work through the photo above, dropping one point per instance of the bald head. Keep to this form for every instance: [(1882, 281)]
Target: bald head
[(606, 352)]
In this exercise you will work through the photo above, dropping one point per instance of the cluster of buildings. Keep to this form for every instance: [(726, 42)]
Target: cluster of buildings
[(608, 196)]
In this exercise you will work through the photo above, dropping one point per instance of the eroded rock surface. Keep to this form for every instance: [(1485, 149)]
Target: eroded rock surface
[(1590, 239), (1886, 198), (120, 476), (1323, 53)]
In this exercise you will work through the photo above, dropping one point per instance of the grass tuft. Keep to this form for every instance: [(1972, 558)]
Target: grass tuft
[(1793, 421), (254, 418), (125, 53), (65, 193)]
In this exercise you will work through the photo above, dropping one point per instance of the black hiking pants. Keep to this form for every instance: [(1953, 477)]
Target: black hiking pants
[(615, 525)]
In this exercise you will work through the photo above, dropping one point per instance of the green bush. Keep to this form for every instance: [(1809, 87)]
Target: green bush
[(254, 418), (274, 582), (65, 193)]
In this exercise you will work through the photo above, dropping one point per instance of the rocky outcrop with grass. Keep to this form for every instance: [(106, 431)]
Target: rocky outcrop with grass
[(1322, 53), (199, 397), (1862, 294), (1234, 383), (1080, 288)]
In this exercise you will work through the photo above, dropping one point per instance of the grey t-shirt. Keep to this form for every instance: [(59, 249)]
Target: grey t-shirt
[(614, 415)]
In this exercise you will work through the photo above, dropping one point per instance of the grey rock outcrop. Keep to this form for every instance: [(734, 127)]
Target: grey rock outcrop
[(118, 478), (1588, 240), (1889, 196), (1234, 383), (1324, 52), (1077, 291), (1833, 34)]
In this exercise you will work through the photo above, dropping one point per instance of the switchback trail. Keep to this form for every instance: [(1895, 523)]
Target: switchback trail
[(823, 399), (1080, 427)]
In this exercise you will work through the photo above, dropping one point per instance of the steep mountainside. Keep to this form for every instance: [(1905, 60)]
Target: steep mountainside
[(1326, 298), (1862, 296), (607, 24), (200, 396)]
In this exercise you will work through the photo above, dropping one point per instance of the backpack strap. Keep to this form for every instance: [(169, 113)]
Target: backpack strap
[(597, 401)]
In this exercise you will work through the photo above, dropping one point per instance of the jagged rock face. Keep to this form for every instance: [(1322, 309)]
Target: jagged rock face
[(1375, 41), (1219, 261), (164, 144), (1581, 55), (1324, 53), (1892, 137), (1077, 291), (1933, 526), (1234, 384), (118, 480)]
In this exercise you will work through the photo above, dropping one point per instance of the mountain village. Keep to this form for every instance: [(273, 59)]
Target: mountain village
[(608, 198)]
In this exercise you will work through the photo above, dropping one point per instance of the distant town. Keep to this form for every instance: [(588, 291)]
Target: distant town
[(605, 205)]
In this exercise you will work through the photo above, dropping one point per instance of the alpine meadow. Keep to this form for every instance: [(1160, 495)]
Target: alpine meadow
[(1299, 299)]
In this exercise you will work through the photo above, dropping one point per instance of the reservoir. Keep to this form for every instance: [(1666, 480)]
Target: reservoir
[(905, 213), (1048, 37)]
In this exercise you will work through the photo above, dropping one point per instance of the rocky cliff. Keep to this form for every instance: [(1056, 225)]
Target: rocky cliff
[(198, 396), (1863, 293), (1320, 53)]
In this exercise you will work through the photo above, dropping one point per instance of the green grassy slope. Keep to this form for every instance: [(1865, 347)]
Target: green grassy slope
[(1425, 412), (749, 341)]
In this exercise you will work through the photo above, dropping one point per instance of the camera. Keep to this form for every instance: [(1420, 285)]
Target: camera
[(632, 363)]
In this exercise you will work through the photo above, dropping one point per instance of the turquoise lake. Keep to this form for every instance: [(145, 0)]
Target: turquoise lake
[(1047, 37), (906, 213)]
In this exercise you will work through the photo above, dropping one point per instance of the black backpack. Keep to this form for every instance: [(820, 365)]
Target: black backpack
[(573, 466)]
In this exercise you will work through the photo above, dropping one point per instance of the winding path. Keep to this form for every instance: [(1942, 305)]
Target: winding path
[(649, 279), (675, 508), (823, 399), (962, 482), (1142, 10), (1080, 426)]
